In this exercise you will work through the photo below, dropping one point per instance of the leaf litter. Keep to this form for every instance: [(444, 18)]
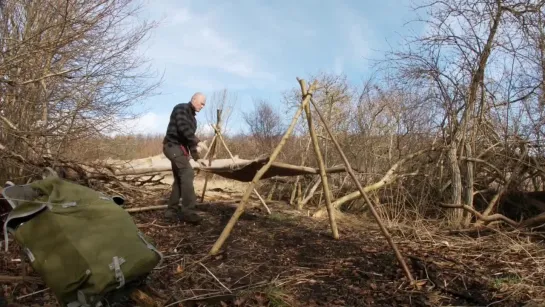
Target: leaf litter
[(289, 259)]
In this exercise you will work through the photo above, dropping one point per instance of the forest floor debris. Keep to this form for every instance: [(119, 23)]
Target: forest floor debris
[(290, 259)]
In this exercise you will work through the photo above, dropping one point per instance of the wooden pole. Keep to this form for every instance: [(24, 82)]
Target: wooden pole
[(365, 196), (220, 136), (320, 160), (240, 209), (211, 152)]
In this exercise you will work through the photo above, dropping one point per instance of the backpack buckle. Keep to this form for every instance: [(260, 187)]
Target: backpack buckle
[(116, 267)]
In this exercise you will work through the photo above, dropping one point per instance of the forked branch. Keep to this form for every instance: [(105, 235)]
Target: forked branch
[(486, 219)]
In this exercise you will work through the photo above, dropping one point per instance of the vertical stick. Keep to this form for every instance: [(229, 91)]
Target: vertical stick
[(365, 196), (320, 160), (211, 152), (240, 209)]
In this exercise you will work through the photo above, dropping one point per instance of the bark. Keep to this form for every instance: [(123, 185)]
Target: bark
[(320, 160)]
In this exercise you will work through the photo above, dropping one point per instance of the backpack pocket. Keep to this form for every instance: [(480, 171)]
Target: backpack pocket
[(52, 254)]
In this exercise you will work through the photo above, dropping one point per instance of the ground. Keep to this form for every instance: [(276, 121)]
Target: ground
[(290, 259)]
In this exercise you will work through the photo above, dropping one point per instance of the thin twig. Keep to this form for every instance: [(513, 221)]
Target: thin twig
[(31, 294), (215, 277)]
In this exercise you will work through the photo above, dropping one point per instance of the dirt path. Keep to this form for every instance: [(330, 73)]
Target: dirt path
[(288, 259)]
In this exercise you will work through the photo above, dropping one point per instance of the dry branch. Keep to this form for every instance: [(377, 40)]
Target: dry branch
[(487, 219), (389, 177), (148, 208), (535, 221), (309, 195), (225, 164)]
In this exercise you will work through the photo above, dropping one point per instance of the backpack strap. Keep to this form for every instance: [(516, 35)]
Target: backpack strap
[(116, 267), (150, 246)]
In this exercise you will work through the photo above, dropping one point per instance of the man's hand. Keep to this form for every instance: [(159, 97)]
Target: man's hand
[(202, 147)]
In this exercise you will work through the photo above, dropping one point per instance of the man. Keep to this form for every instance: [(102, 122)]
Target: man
[(179, 143)]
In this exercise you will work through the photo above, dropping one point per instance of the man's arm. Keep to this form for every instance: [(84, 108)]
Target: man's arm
[(185, 127)]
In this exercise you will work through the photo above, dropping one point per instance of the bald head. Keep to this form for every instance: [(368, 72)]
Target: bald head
[(198, 100)]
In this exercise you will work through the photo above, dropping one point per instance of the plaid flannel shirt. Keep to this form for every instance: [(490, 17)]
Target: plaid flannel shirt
[(182, 127)]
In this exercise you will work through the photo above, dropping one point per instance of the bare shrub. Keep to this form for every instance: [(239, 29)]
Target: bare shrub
[(70, 70), (265, 124)]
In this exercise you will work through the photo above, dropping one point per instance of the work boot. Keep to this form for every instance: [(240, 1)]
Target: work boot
[(182, 214), (189, 216), (171, 214)]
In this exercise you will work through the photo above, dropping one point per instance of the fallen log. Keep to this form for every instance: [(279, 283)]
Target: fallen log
[(236, 169), (202, 207)]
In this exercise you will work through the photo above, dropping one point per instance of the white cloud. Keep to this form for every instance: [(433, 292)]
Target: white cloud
[(358, 40), (180, 16), (357, 33), (148, 123), (188, 40)]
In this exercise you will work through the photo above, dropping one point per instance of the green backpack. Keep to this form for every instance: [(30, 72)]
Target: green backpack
[(80, 241)]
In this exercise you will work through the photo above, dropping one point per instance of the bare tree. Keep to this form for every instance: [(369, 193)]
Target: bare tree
[(265, 124), (69, 71), (222, 100), (475, 67)]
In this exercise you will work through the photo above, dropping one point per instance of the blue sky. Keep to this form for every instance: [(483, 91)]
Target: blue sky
[(256, 49)]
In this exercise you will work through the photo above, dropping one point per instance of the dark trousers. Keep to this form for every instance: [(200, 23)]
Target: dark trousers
[(183, 177)]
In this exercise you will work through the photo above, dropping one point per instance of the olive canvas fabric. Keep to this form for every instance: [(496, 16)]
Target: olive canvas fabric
[(80, 241)]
